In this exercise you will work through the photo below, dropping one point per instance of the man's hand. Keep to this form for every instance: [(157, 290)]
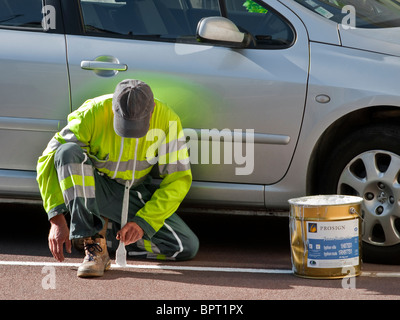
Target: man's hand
[(58, 235), (130, 233)]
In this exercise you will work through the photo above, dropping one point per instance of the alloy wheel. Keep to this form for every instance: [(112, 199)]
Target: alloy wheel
[(375, 176)]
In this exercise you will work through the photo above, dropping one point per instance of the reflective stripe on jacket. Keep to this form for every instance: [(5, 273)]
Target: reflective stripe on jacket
[(91, 127)]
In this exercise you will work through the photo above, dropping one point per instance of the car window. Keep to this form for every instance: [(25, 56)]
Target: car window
[(269, 29), (21, 13), (141, 19), (366, 13), (177, 20)]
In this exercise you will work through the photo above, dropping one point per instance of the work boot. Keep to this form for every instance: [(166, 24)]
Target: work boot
[(96, 260)]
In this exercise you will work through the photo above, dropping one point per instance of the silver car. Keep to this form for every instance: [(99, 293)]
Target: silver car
[(279, 98)]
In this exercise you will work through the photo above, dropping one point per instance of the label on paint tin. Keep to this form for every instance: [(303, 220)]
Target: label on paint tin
[(332, 244)]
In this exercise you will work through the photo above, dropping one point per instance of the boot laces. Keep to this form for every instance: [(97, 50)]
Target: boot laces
[(91, 249)]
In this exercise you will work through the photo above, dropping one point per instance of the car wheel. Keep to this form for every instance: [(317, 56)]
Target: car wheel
[(367, 164)]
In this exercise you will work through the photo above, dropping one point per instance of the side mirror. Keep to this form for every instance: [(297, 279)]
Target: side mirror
[(222, 31)]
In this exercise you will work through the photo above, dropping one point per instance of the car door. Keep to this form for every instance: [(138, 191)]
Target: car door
[(33, 87), (254, 94)]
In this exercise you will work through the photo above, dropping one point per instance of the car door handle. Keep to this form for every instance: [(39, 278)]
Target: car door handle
[(103, 66)]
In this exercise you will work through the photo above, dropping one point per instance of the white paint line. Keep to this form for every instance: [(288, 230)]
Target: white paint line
[(188, 268), (208, 269), (381, 274), (154, 267), (38, 264)]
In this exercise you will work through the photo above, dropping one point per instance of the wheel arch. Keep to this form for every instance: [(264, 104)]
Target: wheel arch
[(341, 128)]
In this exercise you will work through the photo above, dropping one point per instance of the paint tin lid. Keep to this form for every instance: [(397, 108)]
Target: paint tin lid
[(325, 200)]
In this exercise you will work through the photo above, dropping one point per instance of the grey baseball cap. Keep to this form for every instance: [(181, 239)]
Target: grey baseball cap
[(132, 104)]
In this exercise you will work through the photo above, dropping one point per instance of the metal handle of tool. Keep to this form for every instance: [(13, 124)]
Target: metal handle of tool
[(120, 255)]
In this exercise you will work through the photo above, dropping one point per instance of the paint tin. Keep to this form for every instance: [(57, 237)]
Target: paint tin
[(325, 236)]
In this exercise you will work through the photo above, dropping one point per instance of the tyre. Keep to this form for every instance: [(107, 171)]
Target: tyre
[(367, 164)]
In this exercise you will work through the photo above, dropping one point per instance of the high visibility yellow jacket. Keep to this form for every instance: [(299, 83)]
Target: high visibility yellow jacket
[(91, 127)]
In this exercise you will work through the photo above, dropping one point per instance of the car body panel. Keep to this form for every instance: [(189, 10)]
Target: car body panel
[(386, 41), (34, 95)]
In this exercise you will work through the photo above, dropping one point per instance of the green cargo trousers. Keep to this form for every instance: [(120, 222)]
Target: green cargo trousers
[(90, 196)]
